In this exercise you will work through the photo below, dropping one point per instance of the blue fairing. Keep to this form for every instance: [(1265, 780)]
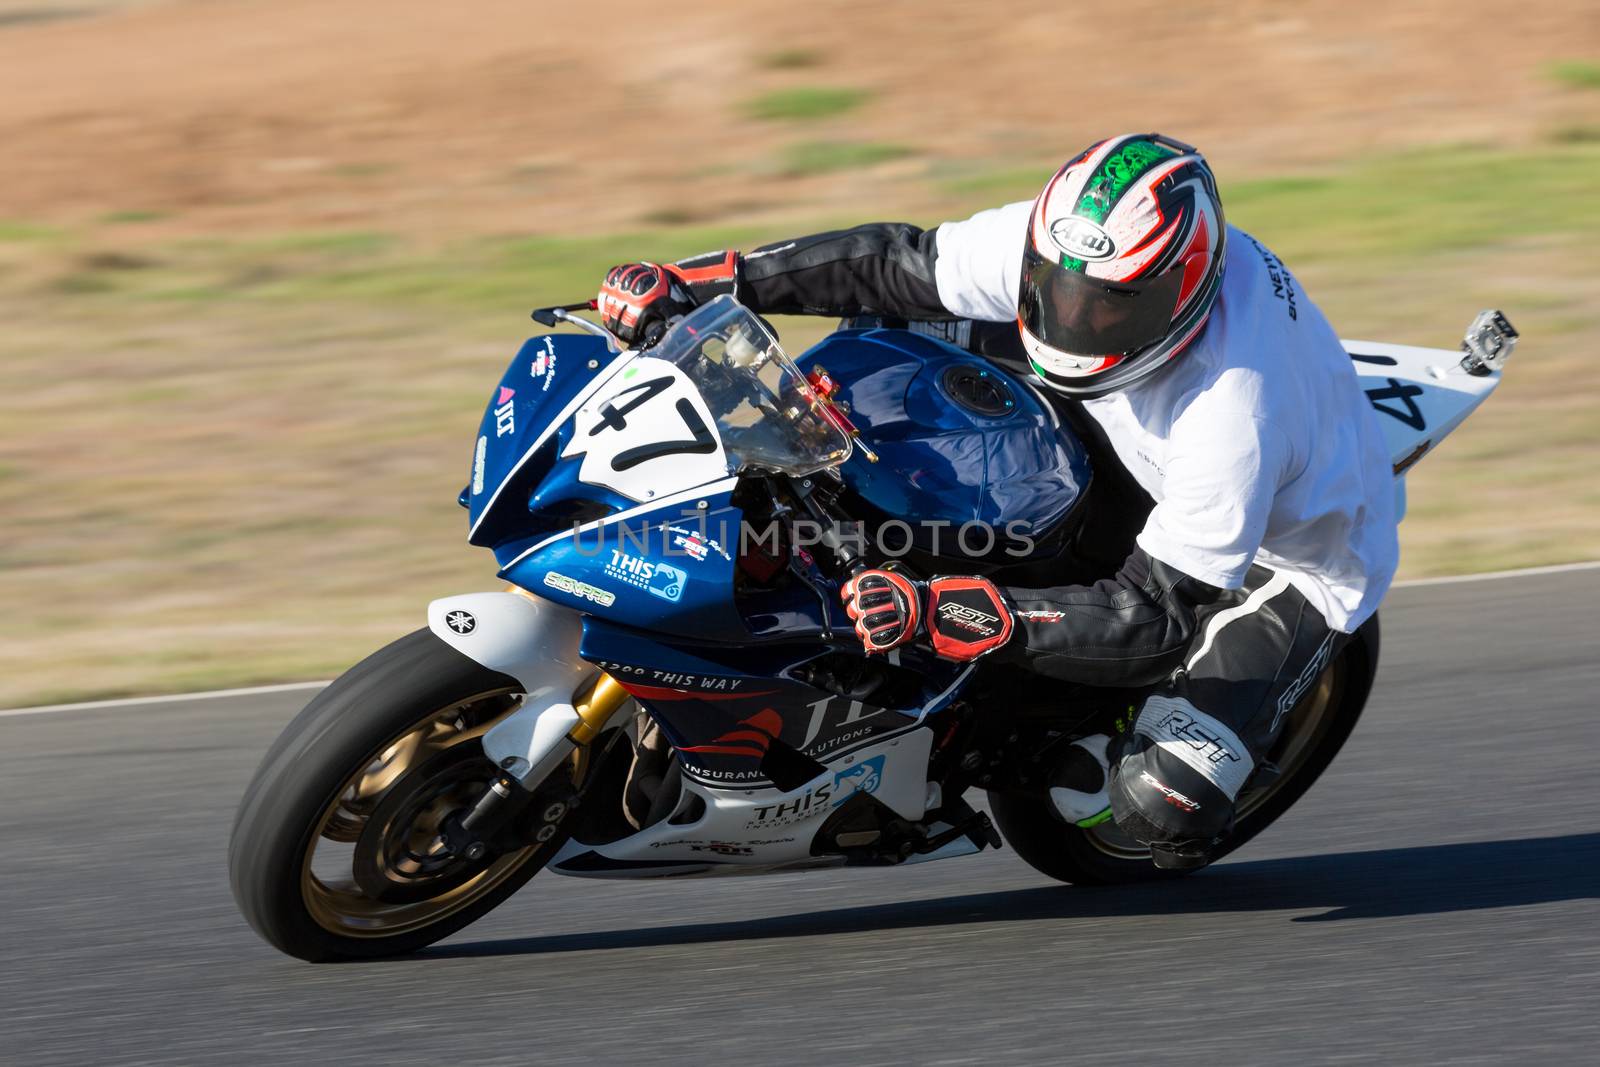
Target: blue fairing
[(941, 461), (542, 380), (723, 709), (667, 568), (713, 654)]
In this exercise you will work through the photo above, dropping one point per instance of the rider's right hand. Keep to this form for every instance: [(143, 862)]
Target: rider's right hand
[(638, 300)]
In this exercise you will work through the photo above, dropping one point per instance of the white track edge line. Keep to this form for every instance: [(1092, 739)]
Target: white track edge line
[(1489, 576), (1460, 579), (95, 705)]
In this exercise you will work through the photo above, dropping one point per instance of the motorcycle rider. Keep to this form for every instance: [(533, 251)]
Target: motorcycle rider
[(1217, 384)]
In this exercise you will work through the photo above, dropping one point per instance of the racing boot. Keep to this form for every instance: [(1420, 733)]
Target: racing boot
[(1080, 785)]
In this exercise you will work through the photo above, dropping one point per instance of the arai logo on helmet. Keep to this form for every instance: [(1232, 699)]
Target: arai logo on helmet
[(1082, 239)]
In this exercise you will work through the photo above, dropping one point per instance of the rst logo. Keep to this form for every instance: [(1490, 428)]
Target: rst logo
[(505, 416), (969, 618)]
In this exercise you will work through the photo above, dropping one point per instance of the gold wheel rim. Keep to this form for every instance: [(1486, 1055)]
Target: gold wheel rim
[(1307, 726), (338, 904)]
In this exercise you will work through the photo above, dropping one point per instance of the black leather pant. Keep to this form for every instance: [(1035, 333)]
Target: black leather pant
[(1197, 738)]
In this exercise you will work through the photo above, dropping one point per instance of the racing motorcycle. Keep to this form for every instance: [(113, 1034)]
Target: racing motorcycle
[(668, 687)]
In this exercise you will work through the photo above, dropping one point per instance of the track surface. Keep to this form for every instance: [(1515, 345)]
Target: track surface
[(1434, 899)]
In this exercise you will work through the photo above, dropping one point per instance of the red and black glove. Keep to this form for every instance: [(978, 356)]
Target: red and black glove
[(638, 301), (886, 607), (966, 617)]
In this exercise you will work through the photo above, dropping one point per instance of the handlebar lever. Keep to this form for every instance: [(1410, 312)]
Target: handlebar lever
[(554, 316)]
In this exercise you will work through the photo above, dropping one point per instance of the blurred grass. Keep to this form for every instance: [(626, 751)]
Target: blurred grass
[(231, 461), (805, 103), (792, 59), (1576, 73), (825, 157)]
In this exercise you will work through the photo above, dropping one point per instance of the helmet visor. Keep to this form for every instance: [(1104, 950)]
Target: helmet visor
[(1086, 316)]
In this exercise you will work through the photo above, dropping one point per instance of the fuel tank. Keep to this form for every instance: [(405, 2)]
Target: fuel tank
[(961, 443)]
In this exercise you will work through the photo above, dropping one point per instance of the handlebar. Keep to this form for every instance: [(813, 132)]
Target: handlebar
[(804, 490)]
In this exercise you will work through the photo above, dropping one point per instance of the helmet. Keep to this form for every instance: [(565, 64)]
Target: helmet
[(1122, 264)]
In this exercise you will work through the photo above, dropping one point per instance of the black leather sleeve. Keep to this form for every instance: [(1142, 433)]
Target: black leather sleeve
[(1129, 630), (881, 268)]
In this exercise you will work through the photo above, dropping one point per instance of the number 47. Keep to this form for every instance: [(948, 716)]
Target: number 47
[(614, 416)]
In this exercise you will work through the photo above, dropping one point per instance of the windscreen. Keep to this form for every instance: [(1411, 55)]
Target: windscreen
[(766, 413)]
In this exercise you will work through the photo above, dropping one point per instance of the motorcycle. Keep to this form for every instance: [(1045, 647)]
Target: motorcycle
[(668, 687)]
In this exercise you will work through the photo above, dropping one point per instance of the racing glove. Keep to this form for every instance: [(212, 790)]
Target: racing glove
[(638, 301), (966, 617)]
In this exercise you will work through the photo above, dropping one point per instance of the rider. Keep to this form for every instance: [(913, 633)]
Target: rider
[(1220, 387)]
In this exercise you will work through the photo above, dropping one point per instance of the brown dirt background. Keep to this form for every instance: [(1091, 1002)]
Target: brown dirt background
[(510, 115)]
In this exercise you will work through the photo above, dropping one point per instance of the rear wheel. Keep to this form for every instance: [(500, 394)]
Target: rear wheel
[(1103, 855), (336, 850)]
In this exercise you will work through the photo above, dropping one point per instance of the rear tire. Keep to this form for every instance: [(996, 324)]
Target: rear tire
[(406, 718), (1096, 857)]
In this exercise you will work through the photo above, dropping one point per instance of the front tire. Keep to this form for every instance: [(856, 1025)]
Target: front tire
[(1102, 855), (329, 856)]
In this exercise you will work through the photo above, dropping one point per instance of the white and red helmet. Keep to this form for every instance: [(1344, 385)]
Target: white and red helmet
[(1122, 264)]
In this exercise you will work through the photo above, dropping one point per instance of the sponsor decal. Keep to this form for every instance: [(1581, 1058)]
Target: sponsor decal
[(544, 364), (582, 590), (462, 622), (1205, 744), (1170, 795), (1297, 689), (1282, 281), (825, 730), (724, 848), (1209, 743), (692, 543), (505, 413), (477, 464), (864, 777), (1082, 239), (668, 582), (808, 805), (969, 618), (1152, 464), (1042, 616), (1410, 458), (658, 579), (677, 680)]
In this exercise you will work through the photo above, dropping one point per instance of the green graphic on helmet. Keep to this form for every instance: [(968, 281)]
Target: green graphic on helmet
[(1118, 171), (1125, 279)]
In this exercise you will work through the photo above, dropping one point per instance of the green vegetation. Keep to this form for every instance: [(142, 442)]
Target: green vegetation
[(792, 59), (14, 231), (230, 461), (1577, 73), (824, 157), (804, 104), (117, 218)]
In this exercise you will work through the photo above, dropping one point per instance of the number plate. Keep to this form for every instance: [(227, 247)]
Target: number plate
[(648, 433)]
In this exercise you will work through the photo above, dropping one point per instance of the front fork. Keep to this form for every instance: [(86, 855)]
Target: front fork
[(566, 707), (471, 834)]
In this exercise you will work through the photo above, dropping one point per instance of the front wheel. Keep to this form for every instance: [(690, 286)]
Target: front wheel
[(1103, 855), (335, 850)]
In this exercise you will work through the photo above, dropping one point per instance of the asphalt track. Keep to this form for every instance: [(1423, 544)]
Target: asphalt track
[(1434, 900)]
